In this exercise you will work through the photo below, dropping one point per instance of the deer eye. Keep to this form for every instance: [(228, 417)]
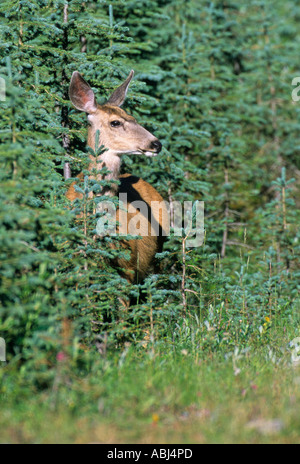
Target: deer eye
[(115, 123)]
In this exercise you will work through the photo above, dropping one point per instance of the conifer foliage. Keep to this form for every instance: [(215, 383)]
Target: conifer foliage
[(213, 84)]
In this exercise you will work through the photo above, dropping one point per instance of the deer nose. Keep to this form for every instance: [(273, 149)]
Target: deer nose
[(157, 146)]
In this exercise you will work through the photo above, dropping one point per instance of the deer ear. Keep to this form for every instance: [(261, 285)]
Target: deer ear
[(81, 94), (119, 95)]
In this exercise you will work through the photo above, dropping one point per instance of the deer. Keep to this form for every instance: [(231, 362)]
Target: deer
[(121, 134)]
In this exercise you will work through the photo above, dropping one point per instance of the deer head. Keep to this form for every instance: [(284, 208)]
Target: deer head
[(119, 132)]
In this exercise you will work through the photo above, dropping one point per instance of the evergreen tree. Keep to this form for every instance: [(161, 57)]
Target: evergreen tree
[(213, 84)]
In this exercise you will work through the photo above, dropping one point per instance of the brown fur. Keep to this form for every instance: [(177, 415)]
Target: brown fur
[(115, 111), (142, 250)]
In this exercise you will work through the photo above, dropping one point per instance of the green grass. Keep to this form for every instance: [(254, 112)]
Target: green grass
[(162, 396)]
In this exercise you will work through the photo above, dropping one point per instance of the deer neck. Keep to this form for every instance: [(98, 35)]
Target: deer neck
[(109, 160)]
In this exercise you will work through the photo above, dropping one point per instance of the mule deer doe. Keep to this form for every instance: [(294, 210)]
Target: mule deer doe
[(120, 134)]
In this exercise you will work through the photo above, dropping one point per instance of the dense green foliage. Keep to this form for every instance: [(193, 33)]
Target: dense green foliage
[(213, 82)]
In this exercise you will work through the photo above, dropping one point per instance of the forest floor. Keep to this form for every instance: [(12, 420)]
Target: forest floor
[(247, 396)]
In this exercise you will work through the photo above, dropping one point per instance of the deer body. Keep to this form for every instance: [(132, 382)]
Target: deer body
[(120, 133)]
